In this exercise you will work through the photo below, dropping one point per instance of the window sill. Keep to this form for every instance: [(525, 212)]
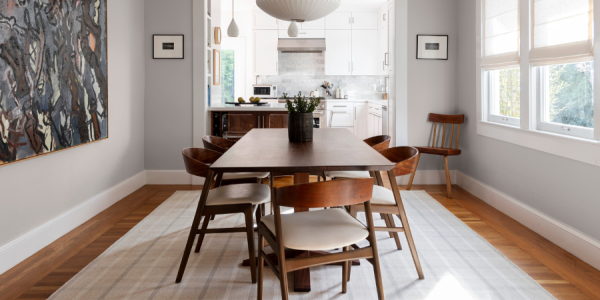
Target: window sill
[(579, 149)]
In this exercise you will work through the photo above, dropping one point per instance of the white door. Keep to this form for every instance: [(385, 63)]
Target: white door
[(364, 52), (364, 20), (339, 52), (265, 52), (316, 24), (361, 120), (338, 21), (261, 20)]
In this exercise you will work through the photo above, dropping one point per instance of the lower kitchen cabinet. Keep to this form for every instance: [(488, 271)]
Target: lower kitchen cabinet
[(361, 120), (235, 124), (275, 120)]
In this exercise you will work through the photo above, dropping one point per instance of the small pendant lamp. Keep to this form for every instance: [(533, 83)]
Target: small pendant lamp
[(233, 30)]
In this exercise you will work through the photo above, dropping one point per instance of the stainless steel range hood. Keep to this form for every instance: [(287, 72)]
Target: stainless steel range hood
[(301, 45)]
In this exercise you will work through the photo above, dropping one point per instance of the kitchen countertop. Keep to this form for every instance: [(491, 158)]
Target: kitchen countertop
[(281, 106)]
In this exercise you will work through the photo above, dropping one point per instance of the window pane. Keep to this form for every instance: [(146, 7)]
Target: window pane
[(505, 92), (570, 94), (228, 75)]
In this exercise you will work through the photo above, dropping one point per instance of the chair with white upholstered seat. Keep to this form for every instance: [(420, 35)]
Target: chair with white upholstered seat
[(389, 202), (221, 145), (229, 199), (318, 230)]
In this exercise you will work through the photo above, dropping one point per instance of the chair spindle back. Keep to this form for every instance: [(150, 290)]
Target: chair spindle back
[(445, 120)]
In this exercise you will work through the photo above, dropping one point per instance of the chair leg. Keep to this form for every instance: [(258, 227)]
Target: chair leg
[(387, 223), (283, 282), (448, 181), (345, 274), (412, 176), (201, 237), (250, 235), (395, 234), (261, 248)]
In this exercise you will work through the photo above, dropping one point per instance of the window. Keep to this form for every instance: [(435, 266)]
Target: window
[(566, 98), (228, 75), (504, 96), (501, 61)]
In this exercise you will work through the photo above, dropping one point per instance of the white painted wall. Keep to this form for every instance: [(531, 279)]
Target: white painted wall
[(40, 189), (564, 189)]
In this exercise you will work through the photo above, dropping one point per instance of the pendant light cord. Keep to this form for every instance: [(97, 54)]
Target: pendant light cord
[(232, 9)]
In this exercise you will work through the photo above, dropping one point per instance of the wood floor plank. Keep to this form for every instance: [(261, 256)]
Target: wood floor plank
[(563, 275)]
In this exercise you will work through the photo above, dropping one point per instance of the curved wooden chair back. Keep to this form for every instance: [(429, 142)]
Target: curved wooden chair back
[(404, 157), (325, 194), (379, 142), (446, 119), (216, 143), (197, 160)]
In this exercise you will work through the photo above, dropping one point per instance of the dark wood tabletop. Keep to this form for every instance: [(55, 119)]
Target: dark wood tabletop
[(332, 149)]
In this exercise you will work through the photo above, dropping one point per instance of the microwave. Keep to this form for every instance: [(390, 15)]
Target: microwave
[(264, 91)]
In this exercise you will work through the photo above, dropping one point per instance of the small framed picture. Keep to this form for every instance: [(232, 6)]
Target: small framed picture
[(432, 47), (167, 46)]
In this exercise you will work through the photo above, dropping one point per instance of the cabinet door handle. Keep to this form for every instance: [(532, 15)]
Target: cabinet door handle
[(276, 66), (340, 105), (387, 59)]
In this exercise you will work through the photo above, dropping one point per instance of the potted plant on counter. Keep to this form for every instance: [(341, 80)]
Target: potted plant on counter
[(300, 121)]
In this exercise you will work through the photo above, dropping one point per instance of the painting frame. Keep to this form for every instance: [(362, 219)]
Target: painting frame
[(432, 46), (163, 44), (105, 96)]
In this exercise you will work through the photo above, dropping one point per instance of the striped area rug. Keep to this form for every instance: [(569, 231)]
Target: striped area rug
[(143, 264)]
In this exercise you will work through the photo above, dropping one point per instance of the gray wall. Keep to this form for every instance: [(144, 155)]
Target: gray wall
[(564, 189), (38, 190), (168, 110), (431, 83)]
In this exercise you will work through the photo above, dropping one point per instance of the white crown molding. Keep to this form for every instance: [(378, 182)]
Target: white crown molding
[(35, 240), (571, 240)]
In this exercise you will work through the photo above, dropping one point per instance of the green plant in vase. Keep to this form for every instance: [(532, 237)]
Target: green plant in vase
[(302, 104)]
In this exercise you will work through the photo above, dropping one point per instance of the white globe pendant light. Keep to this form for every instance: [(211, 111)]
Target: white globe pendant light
[(293, 30), (233, 30), (298, 10)]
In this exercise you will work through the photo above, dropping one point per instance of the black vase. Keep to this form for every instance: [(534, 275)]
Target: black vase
[(300, 127)]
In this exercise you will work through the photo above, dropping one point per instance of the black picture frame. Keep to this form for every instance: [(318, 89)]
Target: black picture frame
[(433, 35), (154, 54)]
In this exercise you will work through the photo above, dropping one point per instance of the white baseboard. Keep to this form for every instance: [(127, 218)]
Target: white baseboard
[(428, 177), (33, 241), (573, 241), (171, 177)]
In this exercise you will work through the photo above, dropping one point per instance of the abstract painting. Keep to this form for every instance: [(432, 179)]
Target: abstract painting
[(53, 76)]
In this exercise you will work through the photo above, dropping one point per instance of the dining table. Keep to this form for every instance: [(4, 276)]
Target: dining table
[(269, 150)]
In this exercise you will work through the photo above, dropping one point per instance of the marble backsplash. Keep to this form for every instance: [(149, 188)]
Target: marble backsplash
[(305, 72)]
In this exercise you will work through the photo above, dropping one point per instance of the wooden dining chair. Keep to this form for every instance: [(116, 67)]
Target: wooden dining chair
[(318, 230), (451, 150), (229, 199), (221, 145), (378, 143), (389, 202)]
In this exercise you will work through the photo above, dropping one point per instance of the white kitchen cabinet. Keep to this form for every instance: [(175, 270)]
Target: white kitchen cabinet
[(341, 114), (339, 21), (383, 51), (338, 56), (284, 24), (364, 52), (266, 58), (386, 40), (303, 34), (361, 120), (364, 20), (261, 20), (375, 120), (314, 25)]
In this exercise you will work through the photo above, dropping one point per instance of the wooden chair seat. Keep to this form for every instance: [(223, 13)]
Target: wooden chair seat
[(439, 151), (250, 193), (318, 230), (348, 174), (245, 175)]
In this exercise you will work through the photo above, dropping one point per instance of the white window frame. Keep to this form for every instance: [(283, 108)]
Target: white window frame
[(527, 133), (489, 94)]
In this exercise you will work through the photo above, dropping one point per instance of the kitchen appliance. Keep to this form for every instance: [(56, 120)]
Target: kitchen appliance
[(265, 91), (320, 118), (301, 45)]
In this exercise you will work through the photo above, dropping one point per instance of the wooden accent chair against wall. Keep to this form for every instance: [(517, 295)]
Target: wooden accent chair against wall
[(318, 230), (230, 199), (451, 150), (389, 203)]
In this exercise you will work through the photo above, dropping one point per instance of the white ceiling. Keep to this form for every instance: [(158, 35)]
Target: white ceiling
[(248, 5)]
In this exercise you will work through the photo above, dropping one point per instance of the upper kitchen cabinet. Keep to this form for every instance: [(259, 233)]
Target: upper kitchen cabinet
[(314, 25), (284, 25), (338, 21), (364, 20), (338, 56), (303, 34), (364, 52), (386, 40), (261, 20), (266, 58)]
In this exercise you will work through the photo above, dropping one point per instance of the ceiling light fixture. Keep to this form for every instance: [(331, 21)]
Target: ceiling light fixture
[(298, 10), (233, 30)]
